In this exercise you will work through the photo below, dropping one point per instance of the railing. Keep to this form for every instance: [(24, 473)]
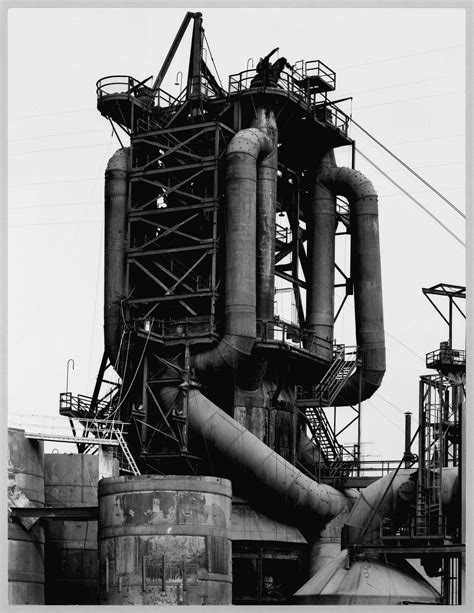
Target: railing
[(199, 85), (80, 406), (286, 332), (343, 365), (60, 429), (291, 82), (178, 328), (284, 234), (316, 68), (123, 84), (242, 81), (446, 356), (326, 111), (127, 85)]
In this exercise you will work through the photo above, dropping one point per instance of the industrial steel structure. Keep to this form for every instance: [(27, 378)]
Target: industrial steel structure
[(235, 487)]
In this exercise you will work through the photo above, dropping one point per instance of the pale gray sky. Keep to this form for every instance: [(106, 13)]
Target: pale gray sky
[(405, 69)]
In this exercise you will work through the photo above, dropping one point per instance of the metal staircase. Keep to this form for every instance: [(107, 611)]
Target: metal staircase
[(311, 403), (342, 367), (130, 465)]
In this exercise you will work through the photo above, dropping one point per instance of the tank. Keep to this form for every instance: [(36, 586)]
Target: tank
[(25, 541), (269, 558), (71, 480), (369, 579), (165, 540)]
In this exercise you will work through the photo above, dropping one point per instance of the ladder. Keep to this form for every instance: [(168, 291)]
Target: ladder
[(133, 468), (429, 514)]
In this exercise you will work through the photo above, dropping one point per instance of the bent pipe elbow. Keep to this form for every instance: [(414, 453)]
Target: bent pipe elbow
[(375, 502), (365, 247), (244, 154), (115, 217)]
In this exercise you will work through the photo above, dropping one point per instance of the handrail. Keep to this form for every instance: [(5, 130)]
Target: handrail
[(445, 355), (127, 85)]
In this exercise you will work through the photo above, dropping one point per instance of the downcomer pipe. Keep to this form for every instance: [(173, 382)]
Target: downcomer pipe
[(244, 155), (282, 487), (367, 279), (115, 214), (320, 216), (266, 214)]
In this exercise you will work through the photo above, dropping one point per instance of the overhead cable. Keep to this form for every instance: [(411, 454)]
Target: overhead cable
[(212, 59), (411, 198), (408, 168)]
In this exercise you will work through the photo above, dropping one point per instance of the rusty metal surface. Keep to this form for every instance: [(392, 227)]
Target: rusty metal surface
[(25, 547), (71, 546), (165, 540), (250, 525)]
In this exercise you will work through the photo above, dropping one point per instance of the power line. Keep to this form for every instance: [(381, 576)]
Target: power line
[(421, 140), (58, 149), (399, 57), (17, 140), (90, 108), (383, 415), (61, 204), (52, 182), (376, 89), (371, 106), (411, 198), (407, 167), (54, 223), (393, 405)]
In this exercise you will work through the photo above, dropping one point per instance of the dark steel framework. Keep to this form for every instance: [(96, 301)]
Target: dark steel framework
[(172, 303), (428, 531)]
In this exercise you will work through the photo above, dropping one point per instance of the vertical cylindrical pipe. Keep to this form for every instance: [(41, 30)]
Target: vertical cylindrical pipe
[(266, 214), (244, 153), (367, 279), (320, 218), (115, 214), (407, 454)]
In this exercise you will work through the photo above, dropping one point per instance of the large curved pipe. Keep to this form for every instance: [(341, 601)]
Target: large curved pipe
[(261, 471), (380, 499), (320, 216), (375, 502), (116, 190), (367, 279), (243, 156)]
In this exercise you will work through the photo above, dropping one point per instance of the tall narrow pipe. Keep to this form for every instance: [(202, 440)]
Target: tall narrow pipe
[(266, 214), (115, 214), (367, 278), (252, 369), (320, 218), (244, 154), (407, 455), (278, 485)]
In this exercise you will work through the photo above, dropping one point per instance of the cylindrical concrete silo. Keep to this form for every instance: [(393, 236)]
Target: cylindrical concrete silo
[(165, 540), (26, 539)]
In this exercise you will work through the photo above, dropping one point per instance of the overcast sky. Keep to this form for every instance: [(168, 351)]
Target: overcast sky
[(405, 69)]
